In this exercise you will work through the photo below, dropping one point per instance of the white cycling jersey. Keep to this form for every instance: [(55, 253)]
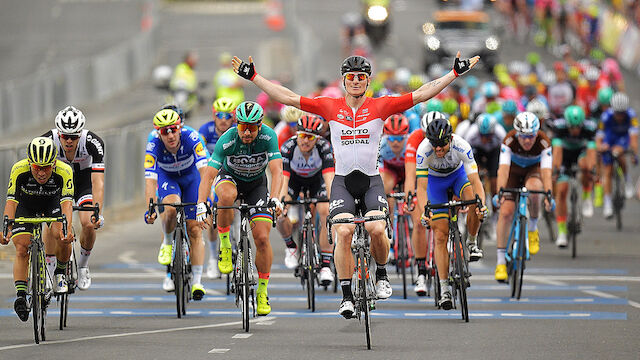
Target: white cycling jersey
[(460, 154), (473, 137)]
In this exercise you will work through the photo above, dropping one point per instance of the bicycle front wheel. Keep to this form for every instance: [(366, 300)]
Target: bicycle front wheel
[(364, 303), (460, 280), (178, 270), (311, 269), (402, 253), (36, 303), (521, 258)]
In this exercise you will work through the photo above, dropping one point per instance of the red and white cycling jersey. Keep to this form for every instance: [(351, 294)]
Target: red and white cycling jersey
[(356, 133)]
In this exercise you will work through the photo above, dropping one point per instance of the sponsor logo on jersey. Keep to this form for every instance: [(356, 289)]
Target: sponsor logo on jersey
[(149, 161), (151, 146), (354, 136), (470, 155), (200, 150), (226, 145), (419, 159), (95, 143), (336, 204), (264, 137)]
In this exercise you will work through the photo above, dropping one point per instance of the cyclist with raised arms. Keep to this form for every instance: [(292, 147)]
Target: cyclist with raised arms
[(39, 185), (525, 160), (419, 234), (83, 150), (445, 161), (237, 168), (618, 132), (223, 119), (308, 165), (573, 143), (356, 123), (174, 164)]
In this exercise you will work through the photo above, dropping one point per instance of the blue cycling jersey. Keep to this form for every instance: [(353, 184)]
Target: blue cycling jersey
[(613, 130), (413, 115), (387, 156), (208, 132), (191, 155)]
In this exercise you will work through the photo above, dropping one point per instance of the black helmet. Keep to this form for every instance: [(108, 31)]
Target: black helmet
[(439, 132), (355, 64)]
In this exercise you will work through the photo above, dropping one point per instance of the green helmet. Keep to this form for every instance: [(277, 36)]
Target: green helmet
[(604, 96), (249, 112), (434, 105), (574, 115), (533, 58), (449, 106), (493, 107)]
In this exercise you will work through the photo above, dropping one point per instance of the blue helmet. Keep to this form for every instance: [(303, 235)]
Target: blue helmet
[(471, 81), (486, 123), (510, 107), (490, 89)]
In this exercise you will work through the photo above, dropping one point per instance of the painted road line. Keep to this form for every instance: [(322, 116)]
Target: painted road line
[(386, 314), (117, 335), (241, 336), (559, 300), (218, 351)]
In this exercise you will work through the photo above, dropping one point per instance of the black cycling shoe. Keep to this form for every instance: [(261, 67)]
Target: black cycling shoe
[(21, 308)]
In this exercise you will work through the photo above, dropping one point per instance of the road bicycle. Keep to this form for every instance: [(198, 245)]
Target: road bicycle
[(403, 226), (617, 190), (243, 279), (574, 220), (310, 261), (180, 262), (458, 253), (71, 272), (39, 294), (364, 292), (518, 244)]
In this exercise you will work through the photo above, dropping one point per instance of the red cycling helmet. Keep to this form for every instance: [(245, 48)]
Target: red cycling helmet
[(396, 125), (310, 123)]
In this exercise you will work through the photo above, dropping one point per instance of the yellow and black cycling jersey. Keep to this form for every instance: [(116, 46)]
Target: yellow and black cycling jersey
[(25, 190)]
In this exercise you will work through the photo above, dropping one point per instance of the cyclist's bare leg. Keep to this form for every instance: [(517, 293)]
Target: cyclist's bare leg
[(323, 212), (504, 223), (213, 233), (227, 194), (195, 240), (473, 223), (493, 181), (562, 188), (379, 241), (534, 183), (342, 256), (441, 233), (264, 253), (607, 172), (586, 164), (169, 223), (88, 235), (419, 235), (21, 261)]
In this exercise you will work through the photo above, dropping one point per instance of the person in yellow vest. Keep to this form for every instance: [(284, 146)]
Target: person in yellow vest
[(184, 83), (226, 83)]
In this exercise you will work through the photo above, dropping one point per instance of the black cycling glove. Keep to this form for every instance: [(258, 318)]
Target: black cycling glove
[(461, 66), (247, 71)]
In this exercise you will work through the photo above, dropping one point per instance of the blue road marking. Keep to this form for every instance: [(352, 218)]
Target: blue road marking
[(382, 314)]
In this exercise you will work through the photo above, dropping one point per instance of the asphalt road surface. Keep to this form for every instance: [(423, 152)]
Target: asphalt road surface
[(588, 307)]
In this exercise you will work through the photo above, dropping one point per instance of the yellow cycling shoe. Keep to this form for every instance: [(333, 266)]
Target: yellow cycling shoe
[(197, 292), (534, 242), (501, 273), (164, 256), (225, 265), (263, 307)]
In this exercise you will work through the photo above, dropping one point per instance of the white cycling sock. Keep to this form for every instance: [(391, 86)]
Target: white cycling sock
[(168, 238), (501, 256), (83, 259), (197, 273), (213, 250), (444, 286), (51, 264)]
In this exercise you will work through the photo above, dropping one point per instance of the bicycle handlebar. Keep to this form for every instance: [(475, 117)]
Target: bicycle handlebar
[(240, 207), (524, 190), (36, 220), (305, 201), (452, 204), (95, 209)]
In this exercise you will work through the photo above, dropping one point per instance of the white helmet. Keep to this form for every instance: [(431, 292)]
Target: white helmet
[(526, 123), (429, 117), (538, 108), (70, 121), (620, 102)]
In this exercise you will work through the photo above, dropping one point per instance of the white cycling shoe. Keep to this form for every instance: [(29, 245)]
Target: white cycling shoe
[(84, 278), (167, 284), (421, 286), (383, 288), (291, 257), (60, 284), (326, 276), (346, 309)]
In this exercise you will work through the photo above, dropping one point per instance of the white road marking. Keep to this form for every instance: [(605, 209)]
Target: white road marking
[(159, 331), (241, 336), (218, 351), (634, 304), (600, 294)]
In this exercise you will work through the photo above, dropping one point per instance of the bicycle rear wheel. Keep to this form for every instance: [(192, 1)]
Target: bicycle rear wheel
[(459, 275), (178, 270), (364, 303)]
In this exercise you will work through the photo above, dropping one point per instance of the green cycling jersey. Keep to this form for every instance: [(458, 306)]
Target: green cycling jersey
[(245, 162)]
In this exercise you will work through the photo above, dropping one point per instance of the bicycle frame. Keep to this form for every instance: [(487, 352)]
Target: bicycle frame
[(402, 230)]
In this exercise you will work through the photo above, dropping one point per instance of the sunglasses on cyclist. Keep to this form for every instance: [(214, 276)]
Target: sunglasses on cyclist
[(169, 129), (224, 115), (397, 138), (527, 137), (304, 135), (37, 168), (69, 137), (351, 76), (439, 142), (242, 126)]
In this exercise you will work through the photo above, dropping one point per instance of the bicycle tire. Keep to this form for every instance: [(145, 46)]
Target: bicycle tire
[(245, 283), (178, 269), (63, 299), (437, 291), (42, 293), (402, 253), (306, 266), (35, 293), (572, 224), (521, 258), (551, 229), (364, 303), (312, 255), (186, 270), (459, 276), (618, 199)]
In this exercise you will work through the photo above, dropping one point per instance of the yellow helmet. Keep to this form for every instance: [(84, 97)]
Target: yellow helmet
[(290, 114), (166, 117), (42, 151), (223, 104)]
